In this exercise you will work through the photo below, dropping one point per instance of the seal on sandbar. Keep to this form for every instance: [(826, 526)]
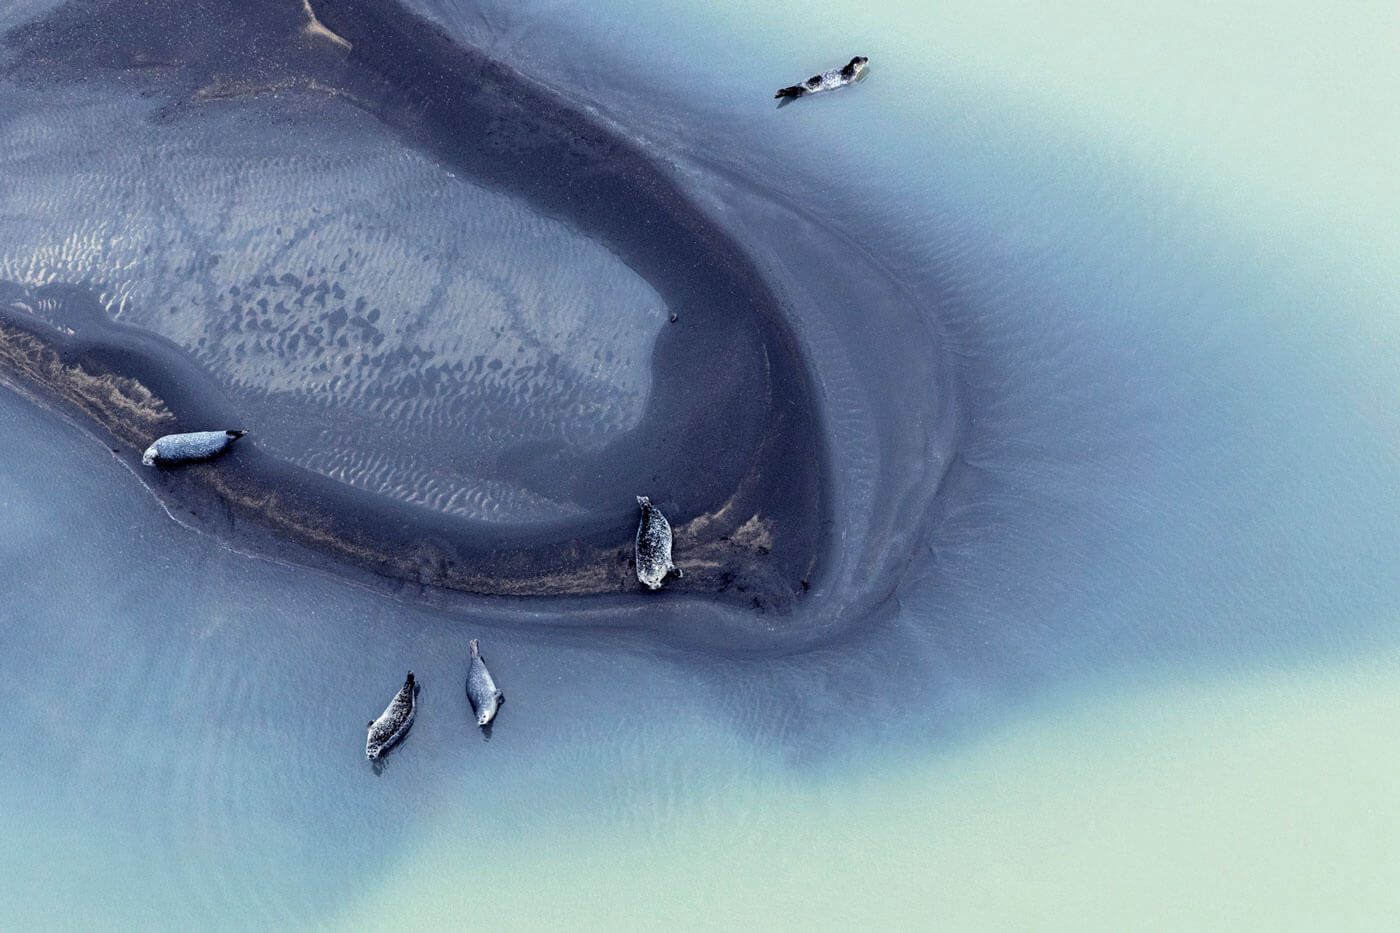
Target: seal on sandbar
[(186, 448), (393, 723), (653, 546), (481, 689), (827, 80)]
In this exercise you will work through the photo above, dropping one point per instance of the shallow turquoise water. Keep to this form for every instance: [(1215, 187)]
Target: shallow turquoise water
[(1140, 673)]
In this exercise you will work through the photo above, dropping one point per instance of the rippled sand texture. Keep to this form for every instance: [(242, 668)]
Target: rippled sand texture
[(395, 356), (355, 300)]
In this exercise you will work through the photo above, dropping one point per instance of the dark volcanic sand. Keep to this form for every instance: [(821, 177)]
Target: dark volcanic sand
[(730, 442)]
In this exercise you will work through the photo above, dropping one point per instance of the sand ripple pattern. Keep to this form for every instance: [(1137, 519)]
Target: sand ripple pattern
[(376, 318)]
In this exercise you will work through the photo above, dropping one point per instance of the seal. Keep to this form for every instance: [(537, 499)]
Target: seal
[(653, 546), (827, 80), (481, 689), (392, 724), (187, 448)]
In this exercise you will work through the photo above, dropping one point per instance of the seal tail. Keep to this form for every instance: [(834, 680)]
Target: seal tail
[(235, 435), (409, 681), (475, 647), (795, 91), (644, 501)]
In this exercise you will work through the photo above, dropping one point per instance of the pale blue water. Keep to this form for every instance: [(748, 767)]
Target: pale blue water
[(1136, 653)]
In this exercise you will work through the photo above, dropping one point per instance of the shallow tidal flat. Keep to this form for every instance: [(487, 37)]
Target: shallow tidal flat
[(1025, 421), (721, 424)]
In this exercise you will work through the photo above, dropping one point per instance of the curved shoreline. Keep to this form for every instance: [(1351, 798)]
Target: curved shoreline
[(730, 432)]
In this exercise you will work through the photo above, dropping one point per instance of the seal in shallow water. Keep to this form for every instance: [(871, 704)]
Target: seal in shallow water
[(653, 546), (481, 689), (184, 448), (827, 80), (393, 723)]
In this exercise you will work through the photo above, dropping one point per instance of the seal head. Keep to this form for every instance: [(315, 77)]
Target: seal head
[(187, 448), (485, 696), (854, 69), (653, 546), (393, 724)]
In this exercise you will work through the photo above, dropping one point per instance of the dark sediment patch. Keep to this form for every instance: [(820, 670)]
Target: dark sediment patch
[(730, 440), (132, 387)]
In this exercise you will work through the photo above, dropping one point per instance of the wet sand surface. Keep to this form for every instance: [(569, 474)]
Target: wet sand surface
[(730, 438)]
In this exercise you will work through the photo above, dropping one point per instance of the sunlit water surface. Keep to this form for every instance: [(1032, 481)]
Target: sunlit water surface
[(1135, 667)]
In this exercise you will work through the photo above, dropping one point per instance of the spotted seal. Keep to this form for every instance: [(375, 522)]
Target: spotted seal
[(653, 546), (393, 724), (185, 448), (827, 80), (481, 689)]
